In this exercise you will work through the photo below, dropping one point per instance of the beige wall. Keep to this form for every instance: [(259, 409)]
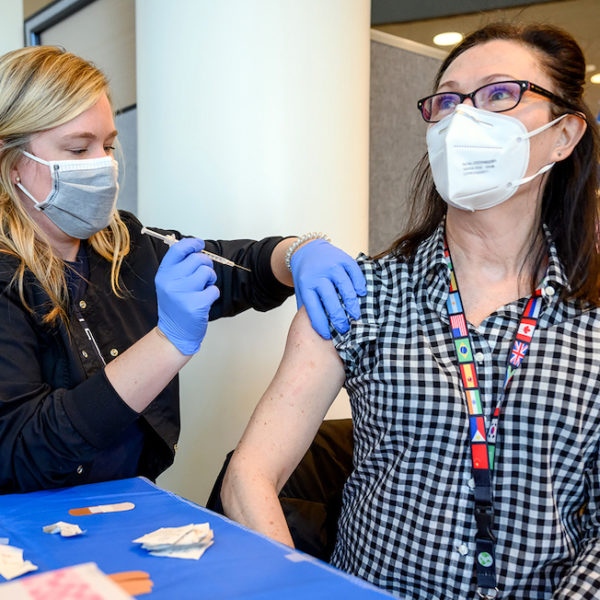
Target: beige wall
[(32, 6)]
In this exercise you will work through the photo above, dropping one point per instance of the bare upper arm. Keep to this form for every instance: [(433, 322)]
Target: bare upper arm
[(289, 413)]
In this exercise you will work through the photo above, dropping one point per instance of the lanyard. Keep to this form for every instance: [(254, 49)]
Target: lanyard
[(483, 440)]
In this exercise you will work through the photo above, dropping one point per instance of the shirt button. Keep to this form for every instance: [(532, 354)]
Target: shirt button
[(82, 304), (549, 290), (84, 354), (479, 357), (79, 469), (114, 352), (463, 550)]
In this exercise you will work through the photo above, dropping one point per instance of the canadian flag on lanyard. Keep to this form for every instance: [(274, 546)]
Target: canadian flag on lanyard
[(526, 330)]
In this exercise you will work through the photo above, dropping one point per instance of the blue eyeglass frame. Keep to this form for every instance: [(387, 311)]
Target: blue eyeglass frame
[(523, 85)]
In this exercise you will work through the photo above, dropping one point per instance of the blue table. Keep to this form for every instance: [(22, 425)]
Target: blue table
[(240, 563)]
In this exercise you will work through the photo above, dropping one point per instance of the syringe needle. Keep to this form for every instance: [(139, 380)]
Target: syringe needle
[(223, 261), (171, 239)]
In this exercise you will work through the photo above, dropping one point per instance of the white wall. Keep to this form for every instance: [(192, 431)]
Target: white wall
[(253, 120), (11, 25)]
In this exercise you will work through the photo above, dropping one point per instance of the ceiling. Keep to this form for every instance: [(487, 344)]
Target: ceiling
[(581, 18)]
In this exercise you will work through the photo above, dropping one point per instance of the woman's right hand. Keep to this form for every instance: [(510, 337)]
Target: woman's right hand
[(185, 292)]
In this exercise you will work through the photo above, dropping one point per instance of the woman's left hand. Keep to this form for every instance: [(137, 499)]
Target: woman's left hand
[(322, 274)]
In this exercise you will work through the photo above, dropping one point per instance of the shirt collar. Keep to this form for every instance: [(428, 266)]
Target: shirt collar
[(555, 272), (429, 258)]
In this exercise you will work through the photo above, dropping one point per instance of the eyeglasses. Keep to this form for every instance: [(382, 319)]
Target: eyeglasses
[(495, 97)]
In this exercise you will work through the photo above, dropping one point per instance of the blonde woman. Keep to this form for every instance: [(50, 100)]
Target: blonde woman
[(96, 319)]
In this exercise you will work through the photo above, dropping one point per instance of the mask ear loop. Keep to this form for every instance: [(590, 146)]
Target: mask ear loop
[(546, 126), (540, 172), (23, 188), (36, 158), (547, 167), (28, 194)]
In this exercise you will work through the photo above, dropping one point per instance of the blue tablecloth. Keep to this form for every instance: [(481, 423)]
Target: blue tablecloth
[(240, 564)]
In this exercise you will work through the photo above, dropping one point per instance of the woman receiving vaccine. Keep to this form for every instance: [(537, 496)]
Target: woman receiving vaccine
[(96, 319), (474, 372)]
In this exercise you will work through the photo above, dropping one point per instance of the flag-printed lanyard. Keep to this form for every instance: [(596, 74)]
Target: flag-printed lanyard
[(483, 443)]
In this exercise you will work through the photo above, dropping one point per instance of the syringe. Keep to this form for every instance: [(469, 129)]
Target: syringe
[(171, 239)]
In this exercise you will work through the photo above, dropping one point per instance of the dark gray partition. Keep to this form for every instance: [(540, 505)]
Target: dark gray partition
[(401, 72)]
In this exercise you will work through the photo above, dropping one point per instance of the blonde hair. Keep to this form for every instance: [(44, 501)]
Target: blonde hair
[(42, 87)]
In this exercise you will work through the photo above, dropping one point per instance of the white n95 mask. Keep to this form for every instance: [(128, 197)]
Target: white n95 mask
[(83, 195), (478, 158)]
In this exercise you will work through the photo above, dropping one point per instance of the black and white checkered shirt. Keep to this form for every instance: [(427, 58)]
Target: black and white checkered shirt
[(407, 522)]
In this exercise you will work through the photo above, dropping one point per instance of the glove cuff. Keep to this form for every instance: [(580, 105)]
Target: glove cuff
[(313, 235), (186, 347)]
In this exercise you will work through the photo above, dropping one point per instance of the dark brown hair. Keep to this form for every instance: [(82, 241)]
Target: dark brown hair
[(570, 196)]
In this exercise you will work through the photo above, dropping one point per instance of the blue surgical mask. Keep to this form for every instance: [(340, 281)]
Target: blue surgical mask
[(83, 195)]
